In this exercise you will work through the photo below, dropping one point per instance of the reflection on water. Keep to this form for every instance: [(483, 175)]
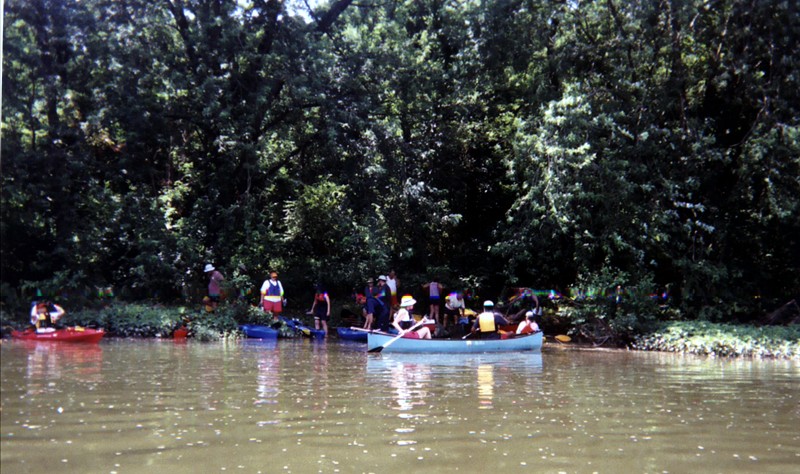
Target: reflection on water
[(267, 356), (411, 374), (46, 362), (485, 386), (310, 406)]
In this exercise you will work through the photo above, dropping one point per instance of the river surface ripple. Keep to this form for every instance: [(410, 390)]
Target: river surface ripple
[(135, 406)]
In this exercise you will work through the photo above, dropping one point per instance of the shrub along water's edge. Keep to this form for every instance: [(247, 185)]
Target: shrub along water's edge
[(142, 320), (691, 337), (723, 340)]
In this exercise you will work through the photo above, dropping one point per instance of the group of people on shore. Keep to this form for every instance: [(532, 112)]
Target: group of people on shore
[(273, 297), (383, 310)]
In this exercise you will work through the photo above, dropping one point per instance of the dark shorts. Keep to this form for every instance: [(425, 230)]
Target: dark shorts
[(373, 307), (321, 314), (214, 298)]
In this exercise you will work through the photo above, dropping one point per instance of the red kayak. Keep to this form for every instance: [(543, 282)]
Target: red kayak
[(73, 334)]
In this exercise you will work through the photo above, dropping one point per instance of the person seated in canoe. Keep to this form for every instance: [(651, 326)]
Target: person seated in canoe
[(488, 322), (528, 326), (403, 320), (42, 317)]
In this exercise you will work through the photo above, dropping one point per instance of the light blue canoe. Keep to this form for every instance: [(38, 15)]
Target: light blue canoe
[(257, 331), (530, 342)]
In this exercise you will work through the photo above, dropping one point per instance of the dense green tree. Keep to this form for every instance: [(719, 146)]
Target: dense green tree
[(571, 145)]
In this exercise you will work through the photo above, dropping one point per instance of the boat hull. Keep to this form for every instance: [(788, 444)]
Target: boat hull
[(347, 334), (257, 331), (532, 342), (303, 329), (73, 334)]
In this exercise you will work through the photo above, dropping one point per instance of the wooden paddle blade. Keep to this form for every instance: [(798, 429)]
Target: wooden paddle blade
[(563, 338)]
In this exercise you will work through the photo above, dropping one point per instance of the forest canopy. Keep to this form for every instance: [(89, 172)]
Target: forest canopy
[(567, 145)]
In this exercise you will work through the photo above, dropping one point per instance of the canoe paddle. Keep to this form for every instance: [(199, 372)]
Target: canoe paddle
[(353, 328), (380, 348)]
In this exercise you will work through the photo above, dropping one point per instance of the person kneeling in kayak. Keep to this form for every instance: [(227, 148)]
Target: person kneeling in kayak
[(43, 318), (403, 320), (488, 322)]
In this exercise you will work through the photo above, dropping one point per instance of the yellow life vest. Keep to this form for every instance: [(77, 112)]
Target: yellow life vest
[(486, 322)]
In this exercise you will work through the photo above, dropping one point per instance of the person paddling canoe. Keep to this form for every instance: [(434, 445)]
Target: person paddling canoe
[(403, 320), (528, 326), (488, 322)]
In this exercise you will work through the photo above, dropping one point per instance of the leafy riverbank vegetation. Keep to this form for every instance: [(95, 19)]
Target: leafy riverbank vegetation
[(601, 152), (723, 340), (695, 337), (139, 320)]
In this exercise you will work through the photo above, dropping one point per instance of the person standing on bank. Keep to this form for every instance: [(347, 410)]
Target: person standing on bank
[(272, 295), (321, 308), (488, 322), (394, 285), (370, 304), (435, 290), (454, 306), (215, 278), (384, 304)]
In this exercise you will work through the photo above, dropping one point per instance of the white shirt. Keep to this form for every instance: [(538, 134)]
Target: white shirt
[(392, 284), (453, 302)]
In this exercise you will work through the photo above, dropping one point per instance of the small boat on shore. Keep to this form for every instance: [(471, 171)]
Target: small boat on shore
[(352, 334), (529, 342), (257, 331), (303, 329), (70, 334)]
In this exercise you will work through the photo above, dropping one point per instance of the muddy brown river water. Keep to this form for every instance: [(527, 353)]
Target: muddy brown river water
[(300, 406)]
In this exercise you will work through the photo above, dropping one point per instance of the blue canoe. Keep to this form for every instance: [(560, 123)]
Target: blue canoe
[(305, 330), (530, 342), (352, 334), (257, 331)]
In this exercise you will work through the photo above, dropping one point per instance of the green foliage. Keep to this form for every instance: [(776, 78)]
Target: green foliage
[(542, 144), (130, 320), (723, 340), (608, 307), (213, 326)]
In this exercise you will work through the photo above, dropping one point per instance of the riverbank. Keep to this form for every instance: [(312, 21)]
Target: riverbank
[(136, 320), (723, 340)]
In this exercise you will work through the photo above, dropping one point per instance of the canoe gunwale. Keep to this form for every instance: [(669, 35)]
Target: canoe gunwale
[(530, 342)]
